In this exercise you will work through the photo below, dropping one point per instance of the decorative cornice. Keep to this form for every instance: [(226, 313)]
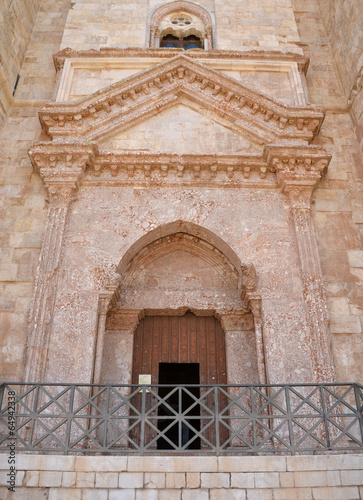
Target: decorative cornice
[(141, 96), (259, 55), (61, 164)]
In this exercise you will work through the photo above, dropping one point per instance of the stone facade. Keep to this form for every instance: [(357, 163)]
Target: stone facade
[(138, 180), (139, 142)]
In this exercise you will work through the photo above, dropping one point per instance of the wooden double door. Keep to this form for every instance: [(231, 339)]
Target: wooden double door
[(180, 339), (182, 350)]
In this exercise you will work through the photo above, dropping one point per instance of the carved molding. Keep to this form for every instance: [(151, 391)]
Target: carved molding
[(183, 6), (141, 96), (260, 55), (65, 166)]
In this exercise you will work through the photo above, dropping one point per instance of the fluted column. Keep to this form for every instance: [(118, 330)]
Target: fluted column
[(299, 171), (62, 171)]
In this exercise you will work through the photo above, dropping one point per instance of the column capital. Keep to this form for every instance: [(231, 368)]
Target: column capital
[(107, 298), (61, 167), (298, 170)]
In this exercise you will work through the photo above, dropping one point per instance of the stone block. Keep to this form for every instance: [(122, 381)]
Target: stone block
[(31, 478), (154, 480), (24, 494), (242, 480), (355, 258), (85, 479), (146, 495), (171, 464), (333, 478), (257, 494), (104, 464), (352, 477), (175, 480), (50, 478), (287, 479), (170, 494), (195, 494), (227, 494), (64, 494), (68, 479), (122, 494), (88, 494), (131, 480), (311, 478), (106, 479), (193, 480), (267, 480), (293, 494), (45, 462), (345, 324), (332, 493), (333, 462), (251, 464), (214, 480)]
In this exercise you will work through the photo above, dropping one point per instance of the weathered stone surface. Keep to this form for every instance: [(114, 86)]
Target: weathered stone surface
[(176, 169)]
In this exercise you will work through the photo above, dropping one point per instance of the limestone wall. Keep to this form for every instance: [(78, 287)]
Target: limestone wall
[(17, 18), (338, 201), (23, 198), (185, 478), (239, 25)]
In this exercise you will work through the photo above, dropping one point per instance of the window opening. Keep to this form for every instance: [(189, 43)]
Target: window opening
[(179, 373), (189, 42)]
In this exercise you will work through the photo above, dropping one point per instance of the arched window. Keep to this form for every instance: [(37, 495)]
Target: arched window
[(181, 25)]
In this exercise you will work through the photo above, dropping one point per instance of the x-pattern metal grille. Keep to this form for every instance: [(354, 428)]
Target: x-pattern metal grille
[(219, 419)]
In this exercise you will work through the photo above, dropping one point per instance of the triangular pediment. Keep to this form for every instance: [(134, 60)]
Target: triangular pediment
[(180, 80), (180, 127)]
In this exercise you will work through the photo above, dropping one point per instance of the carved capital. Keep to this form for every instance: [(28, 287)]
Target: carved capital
[(61, 192), (298, 170), (105, 302), (61, 166), (109, 297)]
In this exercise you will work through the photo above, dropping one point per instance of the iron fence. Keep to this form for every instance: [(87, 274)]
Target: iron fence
[(176, 419)]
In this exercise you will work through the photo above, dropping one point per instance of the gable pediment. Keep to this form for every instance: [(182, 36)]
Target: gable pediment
[(180, 80), (181, 129)]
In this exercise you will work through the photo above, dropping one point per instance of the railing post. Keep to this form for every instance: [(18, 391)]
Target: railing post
[(2, 391), (216, 419), (69, 422), (180, 419), (289, 420), (359, 405), (142, 431), (323, 406)]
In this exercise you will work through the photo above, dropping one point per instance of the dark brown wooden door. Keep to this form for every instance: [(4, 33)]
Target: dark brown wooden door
[(181, 339)]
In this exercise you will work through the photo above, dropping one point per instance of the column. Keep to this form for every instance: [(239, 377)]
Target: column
[(61, 169), (298, 172)]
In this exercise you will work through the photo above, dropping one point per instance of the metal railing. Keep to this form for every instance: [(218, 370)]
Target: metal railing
[(175, 419)]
